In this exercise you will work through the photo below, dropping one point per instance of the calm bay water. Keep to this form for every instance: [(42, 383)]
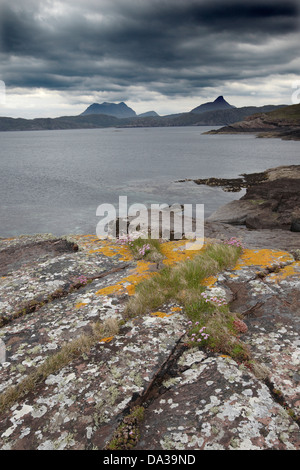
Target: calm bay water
[(53, 181)]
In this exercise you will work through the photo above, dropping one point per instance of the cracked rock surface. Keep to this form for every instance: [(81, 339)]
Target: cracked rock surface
[(193, 399)]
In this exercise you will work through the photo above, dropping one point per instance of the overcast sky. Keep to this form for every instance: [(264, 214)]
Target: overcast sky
[(59, 56)]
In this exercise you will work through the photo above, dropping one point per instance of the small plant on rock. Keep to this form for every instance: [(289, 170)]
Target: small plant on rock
[(233, 241), (240, 326), (197, 334), (127, 435), (145, 248)]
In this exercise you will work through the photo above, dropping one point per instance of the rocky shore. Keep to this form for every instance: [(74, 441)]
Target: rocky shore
[(140, 385), (272, 201), (231, 184)]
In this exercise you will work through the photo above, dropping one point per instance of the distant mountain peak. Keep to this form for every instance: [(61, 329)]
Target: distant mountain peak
[(148, 114), (219, 103), (120, 110)]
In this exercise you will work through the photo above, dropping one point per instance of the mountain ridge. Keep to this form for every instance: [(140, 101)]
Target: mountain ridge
[(91, 120)]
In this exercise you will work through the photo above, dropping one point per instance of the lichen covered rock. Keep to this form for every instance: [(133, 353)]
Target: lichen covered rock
[(192, 398)]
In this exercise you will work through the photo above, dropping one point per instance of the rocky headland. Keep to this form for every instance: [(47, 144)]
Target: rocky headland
[(283, 123), (79, 373), (272, 200)]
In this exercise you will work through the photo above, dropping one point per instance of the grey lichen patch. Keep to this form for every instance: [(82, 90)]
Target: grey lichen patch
[(30, 339), (39, 279), (239, 413), (171, 382), (98, 386), (191, 357), (280, 354)]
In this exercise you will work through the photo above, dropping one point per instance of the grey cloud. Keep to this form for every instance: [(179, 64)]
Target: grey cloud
[(171, 46)]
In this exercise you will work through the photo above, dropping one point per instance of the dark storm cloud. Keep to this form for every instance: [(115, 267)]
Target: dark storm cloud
[(171, 46), (253, 16)]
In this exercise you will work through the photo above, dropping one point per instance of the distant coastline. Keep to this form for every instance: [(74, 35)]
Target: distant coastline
[(217, 113)]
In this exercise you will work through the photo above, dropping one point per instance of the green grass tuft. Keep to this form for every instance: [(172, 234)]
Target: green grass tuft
[(146, 248), (183, 283)]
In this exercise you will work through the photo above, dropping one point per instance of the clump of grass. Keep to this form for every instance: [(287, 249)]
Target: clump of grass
[(211, 323), (110, 327), (68, 352), (146, 248), (181, 282), (222, 328)]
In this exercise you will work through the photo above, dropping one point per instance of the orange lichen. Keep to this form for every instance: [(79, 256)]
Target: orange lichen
[(176, 309), (234, 276), (109, 289), (129, 282), (209, 281), (80, 304), (285, 272), (111, 249), (130, 289), (106, 340), (171, 250), (141, 272), (175, 252), (161, 314), (263, 257)]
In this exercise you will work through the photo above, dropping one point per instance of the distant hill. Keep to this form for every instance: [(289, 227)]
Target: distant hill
[(120, 110), (97, 116), (216, 105), (219, 117), (282, 122), (149, 114), (209, 118), (91, 121)]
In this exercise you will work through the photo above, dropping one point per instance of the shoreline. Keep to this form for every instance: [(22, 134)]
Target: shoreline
[(272, 199), (272, 191)]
